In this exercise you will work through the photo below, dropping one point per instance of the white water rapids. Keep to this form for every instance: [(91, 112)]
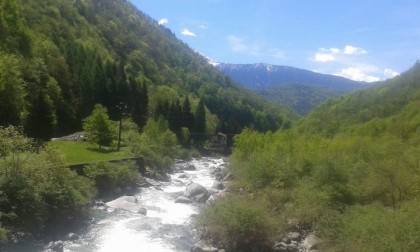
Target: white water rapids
[(167, 225)]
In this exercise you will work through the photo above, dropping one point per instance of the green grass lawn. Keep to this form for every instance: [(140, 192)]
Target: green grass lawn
[(84, 152)]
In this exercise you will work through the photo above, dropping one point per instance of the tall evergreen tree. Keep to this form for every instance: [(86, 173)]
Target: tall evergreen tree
[(187, 116), (200, 121)]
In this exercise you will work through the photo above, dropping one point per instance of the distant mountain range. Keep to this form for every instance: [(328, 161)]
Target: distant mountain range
[(299, 89)]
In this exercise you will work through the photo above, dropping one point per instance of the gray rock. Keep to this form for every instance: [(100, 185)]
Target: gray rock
[(182, 199), (280, 246), (218, 185), (129, 203), (195, 189), (294, 236), (56, 246), (162, 177), (72, 237), (311, 242), (202, 198), (203, 246), (292, 248), (190, 167), (183, 176), (142, 211)]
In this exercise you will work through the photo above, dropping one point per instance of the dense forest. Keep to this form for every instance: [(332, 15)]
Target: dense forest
[(60, 58), (349, 172)]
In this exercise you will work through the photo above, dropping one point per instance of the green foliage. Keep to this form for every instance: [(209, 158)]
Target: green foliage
[(99, 128), (351, 173), (240, 224), (108, 176), (37, 188), (157, 144), (12, 92), (73, 56)]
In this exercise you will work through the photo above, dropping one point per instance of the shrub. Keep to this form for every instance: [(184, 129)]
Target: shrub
[(239, 224), (108, 176)]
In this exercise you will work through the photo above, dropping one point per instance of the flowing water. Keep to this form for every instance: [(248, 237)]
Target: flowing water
[(166, 227)]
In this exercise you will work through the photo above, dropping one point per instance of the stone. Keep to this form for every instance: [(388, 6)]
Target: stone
[(72, 237), (142, 211), (203, 246), (202, 198), (190, 167), (183, 176), (162, 177), (294, 236), (183, 199), (218, 185), (129, 203), (56, 246), (292, 248), (280, 246), (311, 242), (195, 189)]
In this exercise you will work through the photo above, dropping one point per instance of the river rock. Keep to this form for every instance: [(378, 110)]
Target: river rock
[(183, 176), (182, 199), (72, 237), (55, 246), (195, 189), (203, 246), (129, 203), (162, 177), (190, 167), (142, 211), (311, 242), (218, 185)]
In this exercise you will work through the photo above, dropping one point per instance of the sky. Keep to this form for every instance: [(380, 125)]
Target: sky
[(364, 40)]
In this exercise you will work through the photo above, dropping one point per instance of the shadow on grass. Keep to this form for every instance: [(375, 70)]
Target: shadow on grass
[(102, 150)]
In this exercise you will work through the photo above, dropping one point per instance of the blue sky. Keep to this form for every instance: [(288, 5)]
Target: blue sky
[(365, 40)]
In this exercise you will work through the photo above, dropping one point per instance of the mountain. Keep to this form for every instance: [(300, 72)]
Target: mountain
[(299, 89), (58, 58)]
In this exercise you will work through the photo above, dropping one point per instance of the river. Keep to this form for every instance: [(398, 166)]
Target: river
[(167, 226)]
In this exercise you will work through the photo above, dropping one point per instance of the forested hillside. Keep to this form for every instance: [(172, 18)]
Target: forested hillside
[(60, 58), (298, 89), (348, 173)]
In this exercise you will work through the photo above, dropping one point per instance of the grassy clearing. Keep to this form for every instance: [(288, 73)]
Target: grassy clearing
[(83, 152)]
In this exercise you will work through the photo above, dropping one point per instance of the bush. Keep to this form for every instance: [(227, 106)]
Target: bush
[(37, 189), (108, 176), (157, 145), (239, 224)]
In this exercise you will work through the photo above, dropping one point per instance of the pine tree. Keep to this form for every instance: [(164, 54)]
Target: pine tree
[(99, 127)]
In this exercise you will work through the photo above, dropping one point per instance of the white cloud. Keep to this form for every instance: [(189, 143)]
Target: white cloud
[(356, 74), (187, 32), (330, 50), (236, 43), (324, 57), (352, 50), (163, 21), (389, 73)]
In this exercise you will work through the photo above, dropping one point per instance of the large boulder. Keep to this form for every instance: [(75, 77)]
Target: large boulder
[(190, 167), (55, 246), (311, 242), (218, 185), (203, 246), (197, 193), (195, 189), (182, 199), (129, 203)]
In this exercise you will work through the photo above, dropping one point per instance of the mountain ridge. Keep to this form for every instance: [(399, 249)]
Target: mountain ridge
[(298, 89)]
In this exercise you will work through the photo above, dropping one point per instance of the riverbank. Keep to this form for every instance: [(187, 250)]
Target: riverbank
[(163, 225)]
